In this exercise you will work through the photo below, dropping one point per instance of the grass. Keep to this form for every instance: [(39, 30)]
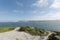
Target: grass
[(5, 29), (30, 30), (33, 31)]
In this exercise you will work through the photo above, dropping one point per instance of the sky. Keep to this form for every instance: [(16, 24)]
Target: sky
[(15, 10)]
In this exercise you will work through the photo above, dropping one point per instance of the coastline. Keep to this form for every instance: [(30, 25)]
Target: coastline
[(22, 35)]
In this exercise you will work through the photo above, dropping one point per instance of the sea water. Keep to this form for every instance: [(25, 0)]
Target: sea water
[(48, 25)]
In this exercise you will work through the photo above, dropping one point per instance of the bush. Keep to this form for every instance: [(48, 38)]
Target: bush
[(52, 37), (33, 30)]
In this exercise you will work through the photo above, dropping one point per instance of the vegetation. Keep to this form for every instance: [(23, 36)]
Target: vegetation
[(33, 30), (53, 37), (57, 33), (6, 29)]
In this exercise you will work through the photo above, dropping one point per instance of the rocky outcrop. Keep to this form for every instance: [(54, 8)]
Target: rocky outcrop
[(17, 35)]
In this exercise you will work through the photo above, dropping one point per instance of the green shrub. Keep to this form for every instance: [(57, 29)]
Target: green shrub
[(52, 37), (33, 30)]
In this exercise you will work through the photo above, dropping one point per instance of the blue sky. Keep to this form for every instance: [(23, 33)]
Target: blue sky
[(15, 10)]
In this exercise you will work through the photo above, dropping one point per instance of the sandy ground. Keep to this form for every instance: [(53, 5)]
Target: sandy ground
[(16, 35)]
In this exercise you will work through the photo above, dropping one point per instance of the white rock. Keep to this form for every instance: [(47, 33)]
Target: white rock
[(16, 35)]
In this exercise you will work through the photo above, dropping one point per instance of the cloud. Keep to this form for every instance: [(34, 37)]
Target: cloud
[(18, 11), (48, 16), (19, 3), (56, 4), (33, 12), (51, 16), (41, 3), (36, 12), (15, 11)]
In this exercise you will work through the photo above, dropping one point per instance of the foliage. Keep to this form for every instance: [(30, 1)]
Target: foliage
[(33, 30), (52, 37), (57, 33)]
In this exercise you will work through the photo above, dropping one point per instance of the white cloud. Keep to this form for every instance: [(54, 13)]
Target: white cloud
[(42, 12), (19, 3), (36, 12), (56, 4), (18, 11), (41, 3), (15, 11), (33, 12), (49, 16)]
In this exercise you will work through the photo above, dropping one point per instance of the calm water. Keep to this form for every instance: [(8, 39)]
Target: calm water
[(49, 25)]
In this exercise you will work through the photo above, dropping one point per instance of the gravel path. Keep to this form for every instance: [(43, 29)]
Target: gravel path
[(16, 35)]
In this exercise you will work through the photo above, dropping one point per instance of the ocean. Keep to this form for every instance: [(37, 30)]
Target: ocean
[(53, 25)]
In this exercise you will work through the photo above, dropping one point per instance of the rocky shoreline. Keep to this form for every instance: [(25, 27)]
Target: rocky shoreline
[(19, 34)]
